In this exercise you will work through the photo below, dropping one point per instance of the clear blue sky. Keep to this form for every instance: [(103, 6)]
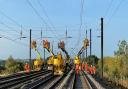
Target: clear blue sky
[(62, 14)]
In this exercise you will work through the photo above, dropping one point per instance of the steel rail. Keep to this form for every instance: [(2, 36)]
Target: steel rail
[(21, 79), (50, 82), (93, 82), (16, 75)]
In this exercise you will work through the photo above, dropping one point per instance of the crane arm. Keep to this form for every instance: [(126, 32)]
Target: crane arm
[(85, 45), (68, 57), (50, 51), (61, 45), (81, 50), (38, 55)]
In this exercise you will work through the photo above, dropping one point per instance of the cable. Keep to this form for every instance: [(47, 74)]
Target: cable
[(10, 19), (34, 9), (109, 7), (8, 38), (43, 9), (114, 12), (59, 27), (81, 19), (81, 23), (8, 27), (11, 28), (5, 31)]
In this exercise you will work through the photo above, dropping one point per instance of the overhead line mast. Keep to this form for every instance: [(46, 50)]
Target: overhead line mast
[(102, 47), (86, 47)]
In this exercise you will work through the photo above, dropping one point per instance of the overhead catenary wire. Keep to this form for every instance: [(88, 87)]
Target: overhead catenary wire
[(36, 12), (10, 33), (8, 27), (115, 11), (57, 27), (43, 9), (11, 28), (108, 8), (12, 20), (8, 38), (81, 23)]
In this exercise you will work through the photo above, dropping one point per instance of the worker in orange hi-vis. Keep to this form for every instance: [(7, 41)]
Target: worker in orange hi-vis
[(82, 66), (86, 68), (94, 70), (77, 68), (91, 70), (27, 67)]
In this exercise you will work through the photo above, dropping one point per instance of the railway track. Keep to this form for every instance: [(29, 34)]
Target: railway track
[(46, 80), (86, 83), (94, 84), (83, 82), (76, 81), (18, 81), (49, 82), (16, 75), (67, 81)]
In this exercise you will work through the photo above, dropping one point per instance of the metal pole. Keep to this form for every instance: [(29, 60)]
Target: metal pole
[(41, 34), (91, 44), (83, 56), (102, 46), (86, 47), (66, 33), (44, 53), (52, 46), (30, 50)]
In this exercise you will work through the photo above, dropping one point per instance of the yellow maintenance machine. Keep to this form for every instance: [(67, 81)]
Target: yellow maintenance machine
[(38, 62), (55, 63), (61, 45), (77, 58), (50, 61)]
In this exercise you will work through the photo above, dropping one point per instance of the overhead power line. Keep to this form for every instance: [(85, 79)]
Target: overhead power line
[(81, 23), (6, 31), (109, 7), (8, 38), (10, 19), (36, 12), (11, 28), (45, 12), (115, 11), (8, 27)]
